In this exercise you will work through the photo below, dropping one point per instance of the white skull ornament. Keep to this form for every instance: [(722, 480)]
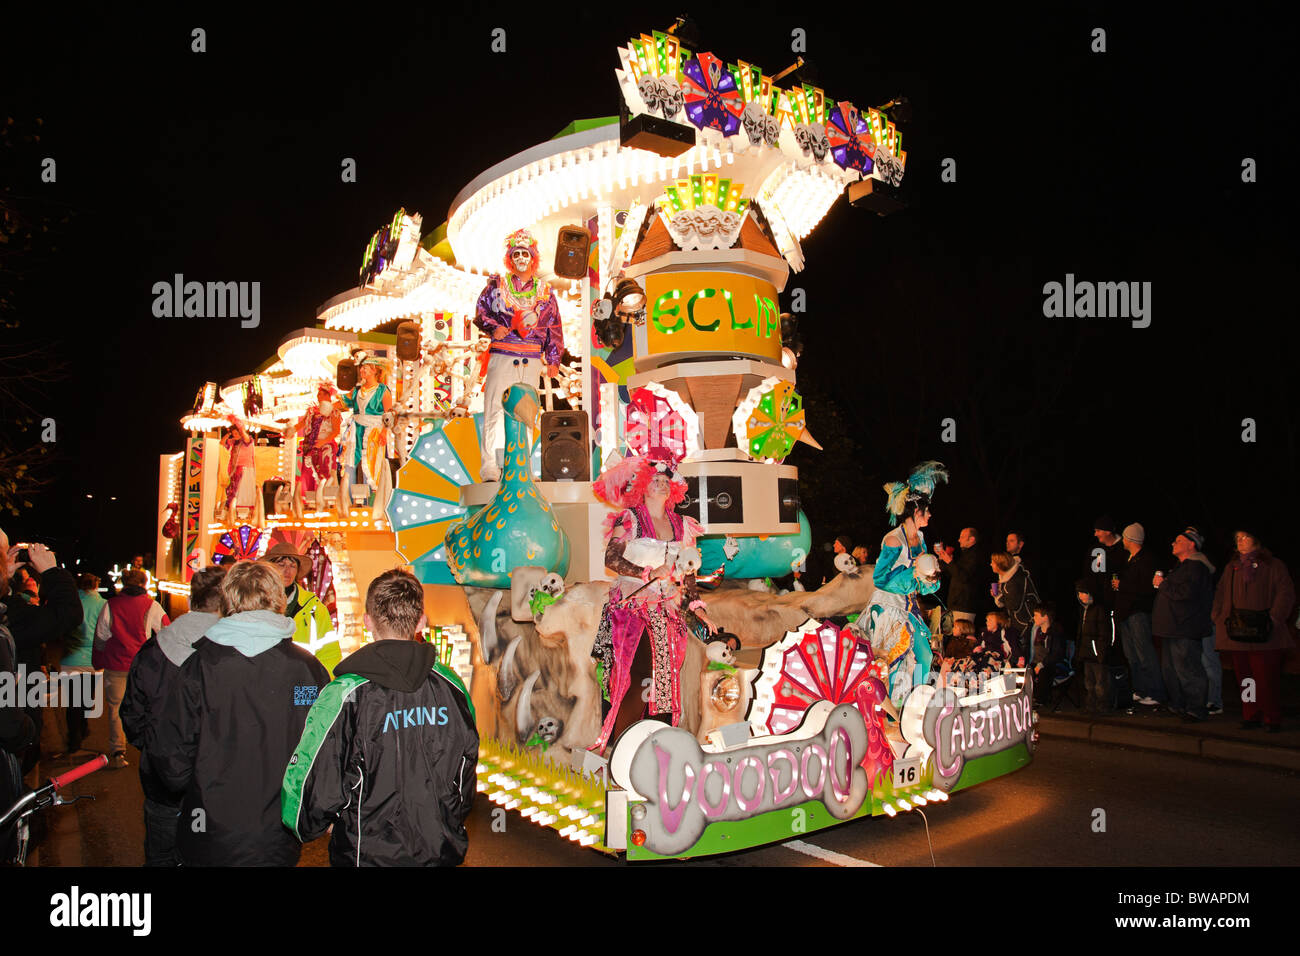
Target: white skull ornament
[(753, 121), (671, 98), (649, 89)]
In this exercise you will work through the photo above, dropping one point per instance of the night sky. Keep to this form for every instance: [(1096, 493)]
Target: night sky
[(1120, 166)]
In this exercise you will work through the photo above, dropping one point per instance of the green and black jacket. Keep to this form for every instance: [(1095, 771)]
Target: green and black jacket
[(388, 757)]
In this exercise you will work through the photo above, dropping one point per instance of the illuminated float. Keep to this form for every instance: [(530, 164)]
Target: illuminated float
[(666, 235)]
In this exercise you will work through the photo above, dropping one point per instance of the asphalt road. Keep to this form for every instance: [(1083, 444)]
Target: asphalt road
[(1159, 810)]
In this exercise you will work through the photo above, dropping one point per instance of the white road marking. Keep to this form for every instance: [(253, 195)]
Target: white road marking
[(830, 856)]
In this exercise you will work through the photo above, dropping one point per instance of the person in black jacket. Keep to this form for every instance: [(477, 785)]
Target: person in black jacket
[(231, 723), (1014, 591), (154, 674), (1134, 598), (963, 576), (1050, 651), (1096, 636), (390, 751), (1181, 619), (35, 625)]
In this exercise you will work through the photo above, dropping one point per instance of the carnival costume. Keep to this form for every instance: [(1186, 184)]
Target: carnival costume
[(319, 451), (638, 604), (525, 306), (242, 471), (370, 438), (896, 627)]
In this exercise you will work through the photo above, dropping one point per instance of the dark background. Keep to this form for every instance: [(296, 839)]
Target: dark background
[(1122, 166)]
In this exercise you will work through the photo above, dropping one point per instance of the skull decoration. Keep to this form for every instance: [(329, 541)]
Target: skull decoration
[(845, 564), (662, 93), (705, 227), (888, 168), (754, 121), (649, 90), (688, 561), (719, 650), (927, 568), (549, 729), (552, 584), (812, 139), (771, 130), (671, 98)]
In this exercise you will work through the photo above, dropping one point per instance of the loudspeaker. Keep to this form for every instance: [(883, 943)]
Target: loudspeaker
[(714, 498), (876, 195), (345, 376), (571, 249), (566, 449), (787, 490), (408, 341)]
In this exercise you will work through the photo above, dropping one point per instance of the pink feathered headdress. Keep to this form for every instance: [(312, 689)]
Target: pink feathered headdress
[(623, 485)]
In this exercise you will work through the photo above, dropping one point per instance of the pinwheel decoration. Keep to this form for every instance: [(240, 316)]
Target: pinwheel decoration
[(426, 501), (240, 544), (852, 146), (713, 100), (817, 662), (770, 420), (657, 417)]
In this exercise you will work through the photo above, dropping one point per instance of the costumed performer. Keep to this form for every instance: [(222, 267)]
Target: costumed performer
[(652, 594), (369, 401), (319, 427), (520, 313), (241, 491), (896, 626)]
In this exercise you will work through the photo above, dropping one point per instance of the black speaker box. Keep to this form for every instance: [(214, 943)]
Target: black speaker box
[(714, 498), (571, 250), (345, 376), (788, 508), (408, 341), (566, 448)]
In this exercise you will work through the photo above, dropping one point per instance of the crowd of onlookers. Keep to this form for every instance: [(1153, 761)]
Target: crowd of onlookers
[(1150, 628), (255, 735)]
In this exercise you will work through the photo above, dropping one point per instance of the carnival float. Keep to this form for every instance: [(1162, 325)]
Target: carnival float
[(567, 410)]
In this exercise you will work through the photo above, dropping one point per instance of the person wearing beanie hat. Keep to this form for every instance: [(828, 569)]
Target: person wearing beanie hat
[(1134, 598), (1093, 644), (1181, 619), (1105, 561), (522, 316)]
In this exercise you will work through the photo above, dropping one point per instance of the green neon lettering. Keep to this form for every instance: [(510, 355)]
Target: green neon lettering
[(747, 324), (659, 311), (690, 310), (769, 316)]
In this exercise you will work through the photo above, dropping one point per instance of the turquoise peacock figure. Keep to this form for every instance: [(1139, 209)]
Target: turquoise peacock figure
[(518, 527)]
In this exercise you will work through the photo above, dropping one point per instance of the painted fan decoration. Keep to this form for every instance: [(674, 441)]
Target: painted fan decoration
[(240, 544), (426, 501), (769, 420), (713, 101), (656, 417), (821, 662), (849, 134)]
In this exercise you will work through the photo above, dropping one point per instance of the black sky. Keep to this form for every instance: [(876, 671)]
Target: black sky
[(1122, 166)]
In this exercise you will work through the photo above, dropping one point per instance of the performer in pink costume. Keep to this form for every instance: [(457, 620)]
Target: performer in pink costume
[(651, 596), (319, 427), (241, 492)]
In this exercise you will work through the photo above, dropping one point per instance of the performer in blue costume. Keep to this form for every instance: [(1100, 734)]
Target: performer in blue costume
[(896, 628)]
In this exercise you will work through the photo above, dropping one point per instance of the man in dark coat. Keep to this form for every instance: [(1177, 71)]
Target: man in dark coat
[(1181, 619), (963, 574)]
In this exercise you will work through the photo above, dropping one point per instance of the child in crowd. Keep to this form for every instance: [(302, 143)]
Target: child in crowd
[(999, 638), (1050, 656), (390, 749), (1092, 646)]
